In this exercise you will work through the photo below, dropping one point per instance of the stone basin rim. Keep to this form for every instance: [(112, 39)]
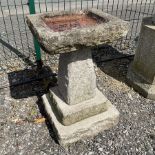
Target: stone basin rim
[(75, 39), (40, 17)]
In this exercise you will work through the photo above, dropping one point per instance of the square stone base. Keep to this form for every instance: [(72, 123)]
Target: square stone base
[(70, 114), (86, 128), (140, 84)]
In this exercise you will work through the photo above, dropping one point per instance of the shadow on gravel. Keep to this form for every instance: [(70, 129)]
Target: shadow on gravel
[(112, 62), (27, 83), (30, 82), (17, 52), (48, 124)]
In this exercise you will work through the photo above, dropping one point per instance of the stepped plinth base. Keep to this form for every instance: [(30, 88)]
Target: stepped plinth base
[(85, 128), (69, 114)]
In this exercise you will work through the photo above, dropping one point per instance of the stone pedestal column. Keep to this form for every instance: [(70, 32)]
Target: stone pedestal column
[(77, 109), (141, 74), (76, 77)]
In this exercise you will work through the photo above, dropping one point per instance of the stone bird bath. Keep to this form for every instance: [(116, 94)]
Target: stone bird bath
[(76, 108)]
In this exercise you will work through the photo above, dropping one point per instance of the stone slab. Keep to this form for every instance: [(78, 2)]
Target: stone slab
[(69, 114), (86, 128), (140, 84)]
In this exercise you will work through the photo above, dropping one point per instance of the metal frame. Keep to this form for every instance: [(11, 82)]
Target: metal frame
[(31, 5)]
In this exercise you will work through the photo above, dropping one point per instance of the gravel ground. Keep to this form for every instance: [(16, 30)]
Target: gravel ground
[(25, 130)]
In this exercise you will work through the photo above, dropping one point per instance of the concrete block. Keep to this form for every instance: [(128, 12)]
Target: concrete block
[(141, 74)]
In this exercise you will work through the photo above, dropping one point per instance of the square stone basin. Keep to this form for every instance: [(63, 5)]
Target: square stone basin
[(65, 31)]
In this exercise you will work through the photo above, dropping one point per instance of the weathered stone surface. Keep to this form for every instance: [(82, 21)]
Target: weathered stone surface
[(77, 38), (142, 71), (76, 76), (140, 84), (86, 128), (69, 114)]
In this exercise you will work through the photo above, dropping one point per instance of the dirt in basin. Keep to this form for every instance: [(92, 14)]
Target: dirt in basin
[(67, 22)]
